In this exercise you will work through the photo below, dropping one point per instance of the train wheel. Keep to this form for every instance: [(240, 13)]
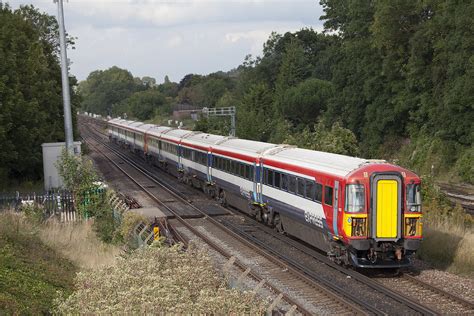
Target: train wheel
[(222, 198), (278, 224)]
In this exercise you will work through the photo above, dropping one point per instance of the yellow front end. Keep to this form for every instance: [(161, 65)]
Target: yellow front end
[(387, 209)]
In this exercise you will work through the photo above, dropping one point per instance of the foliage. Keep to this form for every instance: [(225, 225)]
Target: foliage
[(158, 280), (103, 90), (90, 199), (448, 232), (310, 97), (31, 273), (30, 90), (129, 221), (254, 114), (33, 212), (141, 105), (336, 139)]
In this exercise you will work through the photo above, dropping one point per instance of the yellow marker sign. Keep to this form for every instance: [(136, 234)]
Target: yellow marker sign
[(156, 233)]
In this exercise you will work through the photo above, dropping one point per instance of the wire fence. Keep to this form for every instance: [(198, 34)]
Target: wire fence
[(53, 203)]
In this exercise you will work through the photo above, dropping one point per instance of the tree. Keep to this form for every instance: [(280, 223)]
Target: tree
[(294, 67), (104, 89), (254, 114), (304, 103), (143, 104), (30, 90), (336, 139)]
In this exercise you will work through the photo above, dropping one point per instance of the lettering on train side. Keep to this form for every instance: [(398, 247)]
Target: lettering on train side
[(313, 219)]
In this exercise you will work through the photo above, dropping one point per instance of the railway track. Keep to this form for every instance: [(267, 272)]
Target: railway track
[(312, 291), (413, 306), (442, 301)]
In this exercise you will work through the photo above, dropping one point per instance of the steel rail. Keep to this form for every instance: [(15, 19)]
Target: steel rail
[(432, 288)]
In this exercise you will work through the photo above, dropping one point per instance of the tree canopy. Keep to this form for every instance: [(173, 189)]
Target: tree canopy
[(31, 110)]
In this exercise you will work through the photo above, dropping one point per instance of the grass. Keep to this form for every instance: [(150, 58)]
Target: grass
[(31, 273), (78, 243), (448, 239)]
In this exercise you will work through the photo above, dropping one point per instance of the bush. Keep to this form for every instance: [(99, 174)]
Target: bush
[(158, 280), (129, 221)]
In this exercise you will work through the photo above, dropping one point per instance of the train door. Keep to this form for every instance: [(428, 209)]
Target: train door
[(209, 167), (335, 219), (180, 156), (386, 207), (257, 183)]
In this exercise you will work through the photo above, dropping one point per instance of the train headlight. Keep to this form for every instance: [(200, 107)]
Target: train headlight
[(413, 225), (359, 227)]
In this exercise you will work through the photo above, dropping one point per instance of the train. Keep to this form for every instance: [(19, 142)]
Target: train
[(362, 213)]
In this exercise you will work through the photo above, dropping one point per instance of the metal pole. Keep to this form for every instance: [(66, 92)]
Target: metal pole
[(232, 124), (65, 80)]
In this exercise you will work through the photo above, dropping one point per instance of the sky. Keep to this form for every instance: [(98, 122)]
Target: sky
[(157, 37)]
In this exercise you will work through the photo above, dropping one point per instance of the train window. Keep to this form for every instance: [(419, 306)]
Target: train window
[(249, 172), (292, 184), (277, 179), (318, 192), (224, 164), (300, 187), (355, 198), (284, 182), (327, 195), (413, 197), (270, 177), (241, 170), (237, 168), (310, 187)]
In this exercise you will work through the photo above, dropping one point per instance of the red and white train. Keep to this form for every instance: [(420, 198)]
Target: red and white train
[(362, 212)]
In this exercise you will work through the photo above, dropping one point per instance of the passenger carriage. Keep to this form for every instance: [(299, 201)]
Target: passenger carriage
[(361, 212)]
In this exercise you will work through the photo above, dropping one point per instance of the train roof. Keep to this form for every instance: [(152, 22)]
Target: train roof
[(317, 160), (243, 146), (158, 130), (145, 127), (204, 138), (176, 134), (339, 165)]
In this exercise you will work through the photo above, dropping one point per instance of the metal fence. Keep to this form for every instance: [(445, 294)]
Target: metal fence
[(53, 203)]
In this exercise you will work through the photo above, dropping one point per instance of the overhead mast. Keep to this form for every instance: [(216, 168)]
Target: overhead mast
[(65, 80)]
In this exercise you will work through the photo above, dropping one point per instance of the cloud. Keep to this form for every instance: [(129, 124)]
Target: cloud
[(157, 37)]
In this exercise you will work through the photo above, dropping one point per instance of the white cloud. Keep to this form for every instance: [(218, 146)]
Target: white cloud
[(174, 41), (158, 37)]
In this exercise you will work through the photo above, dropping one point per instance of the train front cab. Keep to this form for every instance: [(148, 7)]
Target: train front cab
[(382, 219)]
